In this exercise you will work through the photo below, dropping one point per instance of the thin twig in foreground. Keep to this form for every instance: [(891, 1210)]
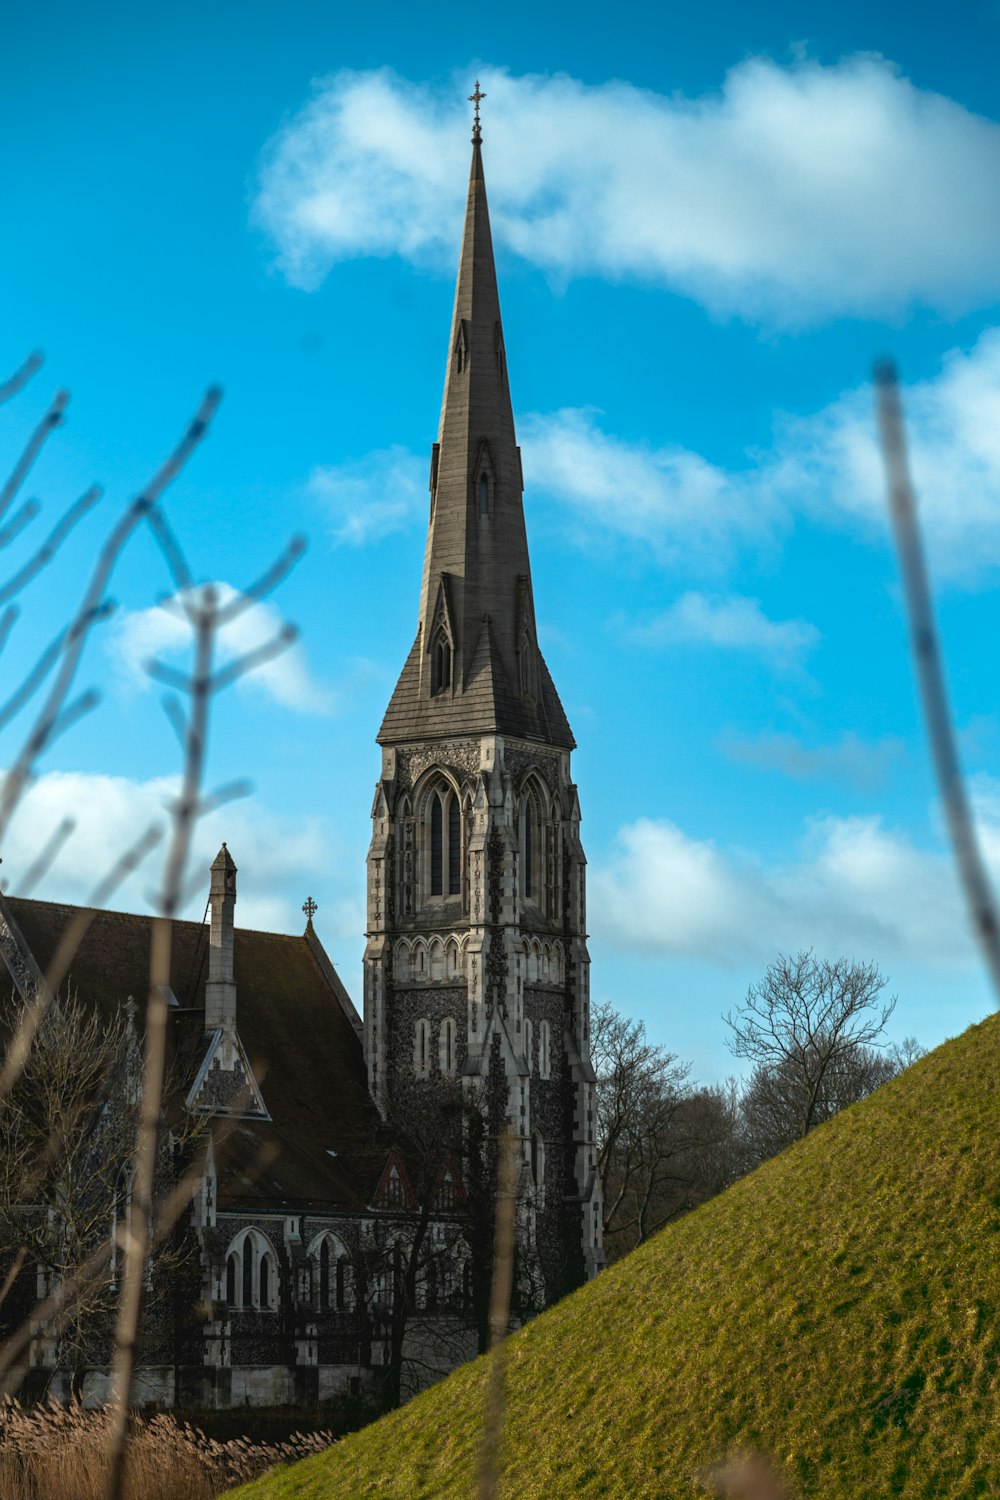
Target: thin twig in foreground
[(503, 1270), (930, 674), (93, 605), (137, 1239)]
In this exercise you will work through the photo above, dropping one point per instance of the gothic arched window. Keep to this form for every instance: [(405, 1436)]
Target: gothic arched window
[(437, 845), (529, 838), (422, 1049), (454, 847), (544, 1049), (265, 1280), (231, 1280), (446, 1047), (441, 843), (528, 1044), (324, 1274), (440, 663), (484, 494), (538, 1167), (341, 1282), (248, 1272)]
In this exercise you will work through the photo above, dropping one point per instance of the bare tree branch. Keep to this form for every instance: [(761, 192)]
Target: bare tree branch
[(930, 672)]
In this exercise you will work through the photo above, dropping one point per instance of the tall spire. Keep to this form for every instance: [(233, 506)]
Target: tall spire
[(475, 666)]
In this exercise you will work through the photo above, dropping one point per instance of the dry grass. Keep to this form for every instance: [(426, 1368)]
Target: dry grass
[(53, 1452)]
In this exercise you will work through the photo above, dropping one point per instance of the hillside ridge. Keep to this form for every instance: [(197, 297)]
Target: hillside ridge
[(837, 1309)]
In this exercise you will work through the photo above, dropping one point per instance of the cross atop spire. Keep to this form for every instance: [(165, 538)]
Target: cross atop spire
[(310, 908), (475, 98)]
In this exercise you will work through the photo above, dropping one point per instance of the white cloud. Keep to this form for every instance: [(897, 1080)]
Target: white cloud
[(855, 888), (666, 497), (680, 508), (830, 463), (277, 856), (139, 636), (865, 765), (797, 191), (826, 465), (733, 623), (369, 499)]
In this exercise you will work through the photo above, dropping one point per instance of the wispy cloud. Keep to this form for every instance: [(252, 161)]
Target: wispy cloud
[(825, 465), (682, 509), (854, 887), (380, 494), (733, 623), (665, 497), (792, 192), (140, 635), (849, 758), (276, 855)]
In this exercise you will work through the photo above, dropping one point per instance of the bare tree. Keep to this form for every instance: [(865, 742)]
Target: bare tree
[(649, 1129), (813, 1031), (67, 1147)]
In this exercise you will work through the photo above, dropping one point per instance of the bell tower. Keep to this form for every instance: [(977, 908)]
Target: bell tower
[(476, 963)]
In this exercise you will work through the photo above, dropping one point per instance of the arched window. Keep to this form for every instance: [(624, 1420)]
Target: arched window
[(528, 1045), (441, 842), (437, 846), (544, 1045), (454, 847), (446, 1047), (422, 1048), (440, 663), (484, 494), (529, 838), (331, 1271), (538, 1167), (252, 1273), (247, 1272), (324, 1273)]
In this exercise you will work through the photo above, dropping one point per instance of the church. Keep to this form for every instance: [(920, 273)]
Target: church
[(475, 987)]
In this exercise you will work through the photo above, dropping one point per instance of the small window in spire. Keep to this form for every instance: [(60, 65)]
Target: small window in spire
[(440, 663), (484, 494)]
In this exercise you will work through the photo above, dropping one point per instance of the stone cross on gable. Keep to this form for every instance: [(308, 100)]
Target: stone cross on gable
[(309, 907)]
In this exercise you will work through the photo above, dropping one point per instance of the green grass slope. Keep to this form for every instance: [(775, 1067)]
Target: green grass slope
[(837, 1309)]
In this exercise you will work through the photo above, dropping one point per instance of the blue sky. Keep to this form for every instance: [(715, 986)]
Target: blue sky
[(708, 225)]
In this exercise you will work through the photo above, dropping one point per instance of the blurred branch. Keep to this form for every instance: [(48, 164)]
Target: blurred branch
[(930, 672), (93, 608), (20, 378), (50, 546), (503, 1269), (32, 448)]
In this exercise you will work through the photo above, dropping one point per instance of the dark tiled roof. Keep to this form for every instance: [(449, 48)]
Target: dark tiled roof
[(488, 704), (306, 1054)]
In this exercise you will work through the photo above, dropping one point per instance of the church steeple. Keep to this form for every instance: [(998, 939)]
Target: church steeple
[(475, 666)]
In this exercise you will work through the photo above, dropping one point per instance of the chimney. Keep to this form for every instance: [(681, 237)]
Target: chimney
[(220, 991)]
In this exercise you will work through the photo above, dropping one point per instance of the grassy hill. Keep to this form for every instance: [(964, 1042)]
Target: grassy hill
[(838, 1309)]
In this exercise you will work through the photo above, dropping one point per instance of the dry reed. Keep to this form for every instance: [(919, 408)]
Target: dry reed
[(54, 1452)]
